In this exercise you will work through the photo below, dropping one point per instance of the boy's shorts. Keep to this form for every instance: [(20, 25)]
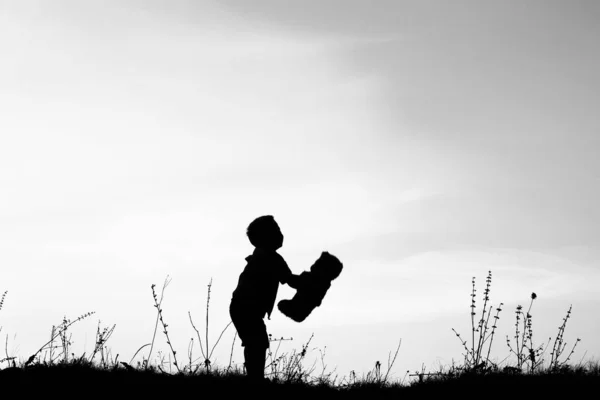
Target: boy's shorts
[(250, 327)]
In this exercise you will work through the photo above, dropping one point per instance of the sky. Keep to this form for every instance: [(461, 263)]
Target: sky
[(423, 143)]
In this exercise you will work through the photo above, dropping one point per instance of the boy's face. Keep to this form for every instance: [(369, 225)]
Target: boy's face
[(276, 240)]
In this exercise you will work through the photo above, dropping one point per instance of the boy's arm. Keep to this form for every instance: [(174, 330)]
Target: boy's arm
[(287, 277), (293, 281), (285, 273), (300, 282)]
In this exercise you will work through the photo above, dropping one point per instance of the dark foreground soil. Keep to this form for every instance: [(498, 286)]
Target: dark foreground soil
[(85, 382)]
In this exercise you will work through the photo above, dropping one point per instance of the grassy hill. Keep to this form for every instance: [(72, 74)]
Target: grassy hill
[(54, 371), (119, 381)]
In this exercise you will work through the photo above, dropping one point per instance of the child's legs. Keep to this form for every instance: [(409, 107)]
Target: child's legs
[(253, 334), (255, 357), (255, 344)]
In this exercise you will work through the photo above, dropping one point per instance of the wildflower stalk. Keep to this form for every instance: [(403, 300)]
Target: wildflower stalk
[(165, 284), (231, 354), (2, 303), (206, 353), (2, 298), (473, 357), (473, 315), (157, 304), (207, 360), (496, 318), (482, 325), (61, 329), (560, 345)]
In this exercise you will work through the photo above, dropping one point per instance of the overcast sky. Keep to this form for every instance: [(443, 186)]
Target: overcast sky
[(422, 142)]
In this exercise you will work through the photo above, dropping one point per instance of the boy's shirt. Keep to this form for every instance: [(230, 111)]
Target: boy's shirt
[(258, 283)]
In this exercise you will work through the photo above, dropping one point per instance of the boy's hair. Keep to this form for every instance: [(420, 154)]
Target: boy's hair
[(261, 229)]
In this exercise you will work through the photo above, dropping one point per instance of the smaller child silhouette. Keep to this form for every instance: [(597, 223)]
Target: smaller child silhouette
[(312, 287), (255, 294)]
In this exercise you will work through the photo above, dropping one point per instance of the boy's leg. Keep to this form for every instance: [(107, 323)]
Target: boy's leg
[(256, 343), (255, 361)]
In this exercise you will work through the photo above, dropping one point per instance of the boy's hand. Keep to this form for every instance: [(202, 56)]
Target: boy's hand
[(293, 281)]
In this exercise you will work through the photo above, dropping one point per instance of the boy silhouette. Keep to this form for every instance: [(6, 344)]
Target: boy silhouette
[(255, 294)]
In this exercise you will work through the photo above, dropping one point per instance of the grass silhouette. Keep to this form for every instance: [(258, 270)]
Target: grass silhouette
[(533, 373)]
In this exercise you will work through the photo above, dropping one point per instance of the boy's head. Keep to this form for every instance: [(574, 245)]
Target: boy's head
[(264, 233), (328, 266)]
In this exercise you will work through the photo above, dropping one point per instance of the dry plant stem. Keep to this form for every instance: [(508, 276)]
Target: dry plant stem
[(558, 341), (63, 342), (473, 357), (206, 353), (273, 357), (165, 284), (207, 361), (517, 352), (6, 347), (559, 345), (572, 351), (297, 361), (496, 318), (525, 335), (101, 339), (482, 321), (517, 332), (528, 336), (8, 359), (473, 313), (198, 334), (66, 343), (60, 331), (527, 330), (52, 344), (1, 304), (482, 335), (464, 344), (190, 350), (525, 350), (138, 350), (323, 365), (393, 360), (231, 354), (165, 331), (2, 299), (218, 340)]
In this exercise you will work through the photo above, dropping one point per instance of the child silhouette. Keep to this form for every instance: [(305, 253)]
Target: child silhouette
[(256, 292)]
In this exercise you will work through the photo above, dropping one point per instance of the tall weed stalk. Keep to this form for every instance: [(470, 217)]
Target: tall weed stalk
[(477, 355)]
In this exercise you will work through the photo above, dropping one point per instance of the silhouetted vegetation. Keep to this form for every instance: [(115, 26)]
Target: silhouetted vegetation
[(54, 370)]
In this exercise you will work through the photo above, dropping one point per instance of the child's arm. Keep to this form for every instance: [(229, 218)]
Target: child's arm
[(299, 281), (293, 281), (285, 274)]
